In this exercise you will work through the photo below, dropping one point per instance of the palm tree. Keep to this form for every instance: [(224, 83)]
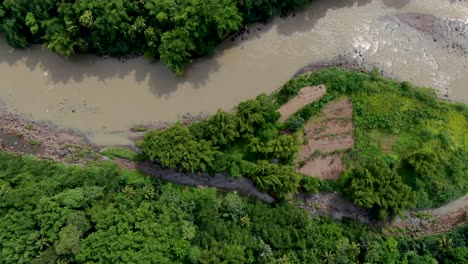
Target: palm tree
[(353, 249), (42, 242), (128, 191), (444, 243), (148, 192), (329, 257), (245, 220), (62, 261)]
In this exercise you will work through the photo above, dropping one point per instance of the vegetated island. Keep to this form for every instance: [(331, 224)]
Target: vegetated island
[(391, 147)]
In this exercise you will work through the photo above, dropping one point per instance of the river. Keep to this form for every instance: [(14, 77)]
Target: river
[(104, 98)]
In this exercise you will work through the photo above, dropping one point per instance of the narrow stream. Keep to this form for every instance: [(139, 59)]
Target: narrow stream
[(104, 98)]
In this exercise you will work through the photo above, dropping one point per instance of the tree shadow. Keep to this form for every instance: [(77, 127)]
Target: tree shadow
[(220, 181), (77, 68)]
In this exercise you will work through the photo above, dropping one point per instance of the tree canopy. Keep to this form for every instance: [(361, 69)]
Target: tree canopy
[(379, 188), (174, 31), (96, 213)]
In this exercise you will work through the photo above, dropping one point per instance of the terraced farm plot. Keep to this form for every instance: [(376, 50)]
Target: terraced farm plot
[(327, 134), (326, 168)]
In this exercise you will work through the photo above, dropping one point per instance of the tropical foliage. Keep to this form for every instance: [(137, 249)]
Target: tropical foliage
[(52, 213), (272, 177), (176, 147), (173, 31), (378, 188), (244, 143)]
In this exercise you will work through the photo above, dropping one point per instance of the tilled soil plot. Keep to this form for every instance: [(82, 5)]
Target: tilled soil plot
[(325, 168), (327, 134)]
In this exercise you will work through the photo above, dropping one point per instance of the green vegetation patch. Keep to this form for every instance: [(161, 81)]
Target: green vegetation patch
[(53, 213), (248, 142), (120, 152)]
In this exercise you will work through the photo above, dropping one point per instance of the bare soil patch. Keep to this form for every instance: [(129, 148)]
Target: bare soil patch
[(327, 134), (333, 205), (339, 109), (305, 96), (324, 167), (323, 126), (22, 136)]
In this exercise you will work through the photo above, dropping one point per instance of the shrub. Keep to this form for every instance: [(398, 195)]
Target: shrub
[(176, 147), (311, 184), (252, 115), (283, 148), (377, 187), (295, 122), (281, 180)]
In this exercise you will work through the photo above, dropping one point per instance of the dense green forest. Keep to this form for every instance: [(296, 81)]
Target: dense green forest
[(174, 31), (54, 213), (425, 167)]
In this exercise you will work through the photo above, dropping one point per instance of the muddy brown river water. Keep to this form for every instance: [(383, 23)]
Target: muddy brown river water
[(104, 98)]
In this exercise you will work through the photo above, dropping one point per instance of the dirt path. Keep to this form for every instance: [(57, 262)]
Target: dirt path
[(414, 223), (453, 206), (431, 221)]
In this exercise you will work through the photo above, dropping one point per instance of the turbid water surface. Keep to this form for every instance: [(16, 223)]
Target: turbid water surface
[(104, 98)]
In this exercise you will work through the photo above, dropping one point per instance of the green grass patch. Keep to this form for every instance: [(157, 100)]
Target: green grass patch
[(139, 129), (33, 143), (135, 177), (120, 152), (29, 127)]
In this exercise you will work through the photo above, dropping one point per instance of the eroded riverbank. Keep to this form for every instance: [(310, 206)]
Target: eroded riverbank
[(105, 98)]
